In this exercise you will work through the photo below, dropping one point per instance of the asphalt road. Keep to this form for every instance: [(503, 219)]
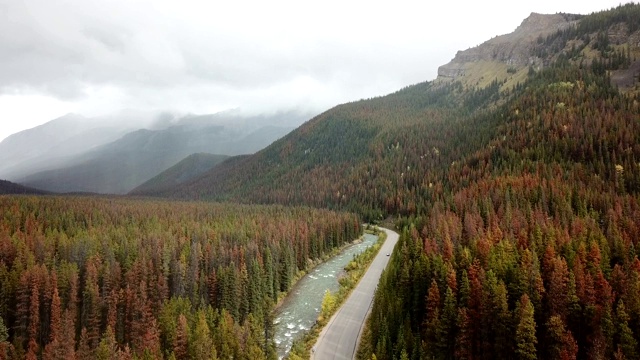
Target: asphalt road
[(339, 339)]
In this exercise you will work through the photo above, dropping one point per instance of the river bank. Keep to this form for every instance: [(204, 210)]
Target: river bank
[(332, 300), (298, 311)]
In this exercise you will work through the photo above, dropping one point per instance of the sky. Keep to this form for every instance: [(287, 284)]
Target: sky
[(95, 57)]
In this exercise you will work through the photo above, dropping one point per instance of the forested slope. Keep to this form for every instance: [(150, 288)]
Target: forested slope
[(109, 278), (519, 203), (529, 248), (374, 156), (185, 170), (7, 187), (390, 156)]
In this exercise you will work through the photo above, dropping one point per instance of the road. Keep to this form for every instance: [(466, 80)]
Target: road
[(338, 340)]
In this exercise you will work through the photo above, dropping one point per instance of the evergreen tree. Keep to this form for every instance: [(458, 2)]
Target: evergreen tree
[(107, 348), (4, 333), (201, 344), (525, 330), (627, 343), (181, 346)]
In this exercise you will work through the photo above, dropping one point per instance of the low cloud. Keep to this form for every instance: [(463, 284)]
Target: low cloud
[(203, 57)]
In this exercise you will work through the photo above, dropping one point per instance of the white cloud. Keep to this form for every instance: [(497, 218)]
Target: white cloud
[(95, 56)]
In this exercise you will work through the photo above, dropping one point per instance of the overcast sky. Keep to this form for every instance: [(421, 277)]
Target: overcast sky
[(94, 57)]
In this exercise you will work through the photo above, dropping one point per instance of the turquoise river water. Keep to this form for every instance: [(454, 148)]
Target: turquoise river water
[(300, 309)]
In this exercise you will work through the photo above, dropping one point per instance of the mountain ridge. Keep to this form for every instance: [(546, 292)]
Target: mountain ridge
[(185, 170), (513, 49), (7, 187), (124, 163), (375, 156)]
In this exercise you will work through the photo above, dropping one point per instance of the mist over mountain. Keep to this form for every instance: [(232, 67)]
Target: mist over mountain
[(114, 160), (57, 142)]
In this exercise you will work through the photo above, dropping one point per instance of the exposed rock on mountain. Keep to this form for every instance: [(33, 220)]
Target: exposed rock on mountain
[(512, 49)]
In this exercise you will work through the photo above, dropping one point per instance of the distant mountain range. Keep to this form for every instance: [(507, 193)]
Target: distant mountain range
[(104, 155)]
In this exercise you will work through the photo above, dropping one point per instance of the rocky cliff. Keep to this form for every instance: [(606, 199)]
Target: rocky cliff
[(513, 50)]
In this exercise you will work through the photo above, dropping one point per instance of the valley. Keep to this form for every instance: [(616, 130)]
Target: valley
[(512, 180)]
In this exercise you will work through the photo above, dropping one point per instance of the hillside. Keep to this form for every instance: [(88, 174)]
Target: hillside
[(187, 169), (58, 142), (506, 58), (7, 187), (121, 165), (529, 249), (389, 155), (518, 198)]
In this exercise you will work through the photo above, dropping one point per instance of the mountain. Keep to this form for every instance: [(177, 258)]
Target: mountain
[(187, 169), (506, 58), (55, 143), (518, 200), (515, 186), (7, 187), (121, 165), (389, 155)]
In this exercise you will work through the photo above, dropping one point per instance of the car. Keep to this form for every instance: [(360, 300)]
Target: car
[(387, 254)]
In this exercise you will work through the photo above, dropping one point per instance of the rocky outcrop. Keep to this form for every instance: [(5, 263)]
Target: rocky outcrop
[(513, 49)]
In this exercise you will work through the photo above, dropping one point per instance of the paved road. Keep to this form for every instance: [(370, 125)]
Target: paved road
[(339, 338)]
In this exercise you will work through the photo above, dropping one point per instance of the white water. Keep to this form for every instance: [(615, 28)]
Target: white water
[(301, 307)]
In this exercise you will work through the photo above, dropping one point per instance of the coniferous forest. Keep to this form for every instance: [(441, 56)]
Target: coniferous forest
[(529, 250), (518, 207), (118, 279)]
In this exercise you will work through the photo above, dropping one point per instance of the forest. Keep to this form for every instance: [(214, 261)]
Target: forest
[(518, 207), (528, 250), (111, 278)]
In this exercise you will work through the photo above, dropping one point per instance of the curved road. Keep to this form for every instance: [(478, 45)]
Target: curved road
[(338, 340)]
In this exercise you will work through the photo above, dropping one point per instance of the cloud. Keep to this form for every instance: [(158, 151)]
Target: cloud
[(207, 56)]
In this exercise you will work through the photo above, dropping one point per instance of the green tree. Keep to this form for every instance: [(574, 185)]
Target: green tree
[(4, 333), (201, 345), (446, 332), (525, 330), (627, 343), (107, 348)]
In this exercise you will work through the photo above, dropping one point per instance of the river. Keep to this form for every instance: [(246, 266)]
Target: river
[(300, 309)]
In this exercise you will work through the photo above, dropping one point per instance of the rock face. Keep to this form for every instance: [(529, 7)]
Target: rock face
[(513, 49)]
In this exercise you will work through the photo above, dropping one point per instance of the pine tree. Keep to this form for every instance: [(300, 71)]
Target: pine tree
[(447, 330), (181, 346), (4, 333), (525, 330), (107, 348), (55, 348), (431, 324), (84, 348), (4, 344), (463, 349), (562, 345), (627, 343), (34, 322), (201, 344)]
